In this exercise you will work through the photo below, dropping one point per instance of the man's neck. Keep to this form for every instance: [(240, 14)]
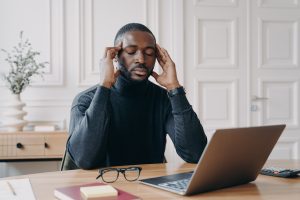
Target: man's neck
[(128, 87)]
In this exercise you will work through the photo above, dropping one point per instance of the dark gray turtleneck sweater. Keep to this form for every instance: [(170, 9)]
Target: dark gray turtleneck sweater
[(127, 125)]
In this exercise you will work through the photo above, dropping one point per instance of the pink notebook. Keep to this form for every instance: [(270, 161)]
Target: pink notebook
[(73, 192)]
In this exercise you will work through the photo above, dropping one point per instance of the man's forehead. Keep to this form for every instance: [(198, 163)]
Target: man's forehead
[(138, 38)]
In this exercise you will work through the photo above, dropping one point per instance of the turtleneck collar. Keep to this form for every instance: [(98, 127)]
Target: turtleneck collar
[(126, 87)]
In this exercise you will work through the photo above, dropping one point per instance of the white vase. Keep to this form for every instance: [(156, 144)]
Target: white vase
[(14, 114)]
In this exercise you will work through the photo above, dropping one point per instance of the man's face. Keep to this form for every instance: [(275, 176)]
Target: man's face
[(137, 56)]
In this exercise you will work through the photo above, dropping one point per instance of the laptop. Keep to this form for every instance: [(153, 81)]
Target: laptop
[(232, 157)]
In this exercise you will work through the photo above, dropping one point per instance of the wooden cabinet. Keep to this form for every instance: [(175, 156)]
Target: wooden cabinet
[(32, 145)]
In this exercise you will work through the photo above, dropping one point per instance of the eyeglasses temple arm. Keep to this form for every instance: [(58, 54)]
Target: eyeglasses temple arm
[(98, 176)]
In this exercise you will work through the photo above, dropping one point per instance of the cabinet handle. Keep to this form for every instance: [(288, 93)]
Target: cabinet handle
[(19, 145), (46, 145)]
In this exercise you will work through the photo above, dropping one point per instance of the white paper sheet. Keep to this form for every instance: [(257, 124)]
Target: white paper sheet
[(21, 187)]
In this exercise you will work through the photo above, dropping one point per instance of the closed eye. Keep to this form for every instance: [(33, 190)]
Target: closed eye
[(149, 52), (131, 52)]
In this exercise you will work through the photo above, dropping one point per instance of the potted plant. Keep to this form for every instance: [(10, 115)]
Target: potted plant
[(22, 68)]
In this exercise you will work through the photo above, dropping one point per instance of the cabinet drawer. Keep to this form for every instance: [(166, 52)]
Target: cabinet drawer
[(55, 144), (31, 139), (31, 150), (30, 145)]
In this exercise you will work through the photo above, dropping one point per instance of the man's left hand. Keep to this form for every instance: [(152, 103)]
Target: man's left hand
[(168, 78)]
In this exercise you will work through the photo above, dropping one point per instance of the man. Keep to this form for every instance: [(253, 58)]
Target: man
[(124, 120)]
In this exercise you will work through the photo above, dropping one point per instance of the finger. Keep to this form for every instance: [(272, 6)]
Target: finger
[(111, 53), (165, 53), (109, 48), (168, 57), (158, 53), (162, 50), (118, 49), (155, 75), (105, 51), (159, 48), (161, 63), (161, 53)]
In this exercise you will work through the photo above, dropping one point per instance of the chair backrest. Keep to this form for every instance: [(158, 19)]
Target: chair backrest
[(67, 162)]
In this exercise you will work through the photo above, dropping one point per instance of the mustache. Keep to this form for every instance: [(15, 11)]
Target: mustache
[(141, 66), (137, 66)]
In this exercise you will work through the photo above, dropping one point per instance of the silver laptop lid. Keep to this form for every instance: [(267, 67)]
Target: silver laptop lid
[(233, 156)]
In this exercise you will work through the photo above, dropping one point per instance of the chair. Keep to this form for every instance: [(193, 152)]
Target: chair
[(67, 162)]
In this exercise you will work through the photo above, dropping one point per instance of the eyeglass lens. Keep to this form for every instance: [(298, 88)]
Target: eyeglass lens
[(132, 174), (110, 175)]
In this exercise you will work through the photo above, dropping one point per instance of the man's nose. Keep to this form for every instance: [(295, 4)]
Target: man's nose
[(140, 57)]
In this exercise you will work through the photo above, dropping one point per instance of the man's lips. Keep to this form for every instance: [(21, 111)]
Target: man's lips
[(140, 71)]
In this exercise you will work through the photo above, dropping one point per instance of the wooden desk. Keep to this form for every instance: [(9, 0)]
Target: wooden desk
[(264, 187)]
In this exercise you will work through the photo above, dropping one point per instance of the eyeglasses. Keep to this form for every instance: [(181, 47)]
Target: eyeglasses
[(110, 175)]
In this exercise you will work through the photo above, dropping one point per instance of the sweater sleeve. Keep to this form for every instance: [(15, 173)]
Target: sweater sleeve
[(89, 125), (185, 129)]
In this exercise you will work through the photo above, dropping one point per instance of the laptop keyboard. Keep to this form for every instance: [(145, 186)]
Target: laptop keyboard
[(179, 185)]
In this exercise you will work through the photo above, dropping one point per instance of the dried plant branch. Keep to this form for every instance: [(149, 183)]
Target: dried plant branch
[(23, 66)]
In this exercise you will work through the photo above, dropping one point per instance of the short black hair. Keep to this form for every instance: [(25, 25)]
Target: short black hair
[(131, 27)]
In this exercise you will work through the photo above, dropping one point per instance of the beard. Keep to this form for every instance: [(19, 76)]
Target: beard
[(128, 73)]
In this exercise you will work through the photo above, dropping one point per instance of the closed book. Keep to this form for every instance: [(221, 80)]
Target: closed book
[(73, 192)]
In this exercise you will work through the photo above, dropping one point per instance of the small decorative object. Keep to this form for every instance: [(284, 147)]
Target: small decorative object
[(14, 114), (23, 67)]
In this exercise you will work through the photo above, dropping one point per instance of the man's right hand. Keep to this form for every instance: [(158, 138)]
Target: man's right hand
[(109, 74)]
